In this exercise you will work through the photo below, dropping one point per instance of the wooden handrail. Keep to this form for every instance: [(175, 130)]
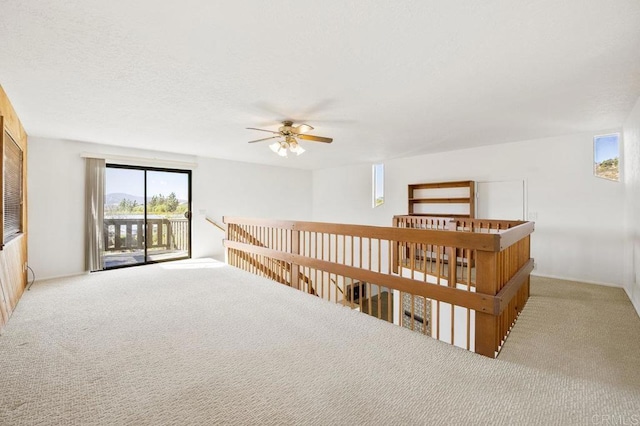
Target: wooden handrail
[(467, 240), (478, 224), (511, 236), (216, 224), (336, 284)]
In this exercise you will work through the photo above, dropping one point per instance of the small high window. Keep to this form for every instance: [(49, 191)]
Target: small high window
[(378, 185), (606, 156)]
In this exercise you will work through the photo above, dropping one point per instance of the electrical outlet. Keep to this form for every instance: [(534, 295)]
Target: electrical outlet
[(533, 216)]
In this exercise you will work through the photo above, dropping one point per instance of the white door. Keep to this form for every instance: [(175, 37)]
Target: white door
[(500, 200)]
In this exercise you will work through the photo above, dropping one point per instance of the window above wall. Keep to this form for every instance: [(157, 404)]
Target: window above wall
[(606, 156), (378, 185)]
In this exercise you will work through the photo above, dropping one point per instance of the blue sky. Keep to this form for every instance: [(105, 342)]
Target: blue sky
[(131, 181), (606, 147)]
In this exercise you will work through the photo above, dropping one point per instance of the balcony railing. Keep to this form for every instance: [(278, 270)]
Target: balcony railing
[(127, 233)]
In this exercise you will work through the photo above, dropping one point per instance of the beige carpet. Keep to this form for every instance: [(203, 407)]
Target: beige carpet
[(192, 343), (588, 332)]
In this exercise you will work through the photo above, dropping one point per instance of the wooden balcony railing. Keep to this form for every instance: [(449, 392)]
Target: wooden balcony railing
[(456, 281), (127, 233)]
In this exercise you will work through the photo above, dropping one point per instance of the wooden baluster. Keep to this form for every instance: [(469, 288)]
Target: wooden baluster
[(412, 260), (395, 258), (295, 268), (379, 255)]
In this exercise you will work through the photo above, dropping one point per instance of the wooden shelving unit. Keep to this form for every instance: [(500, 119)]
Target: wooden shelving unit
[(462, 203)]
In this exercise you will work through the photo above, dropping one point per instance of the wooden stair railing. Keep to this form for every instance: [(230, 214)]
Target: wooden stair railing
[(473, 307), (216, 224), (287, 266)]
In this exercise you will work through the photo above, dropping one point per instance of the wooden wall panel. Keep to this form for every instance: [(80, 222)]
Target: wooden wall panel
[(13, 255)]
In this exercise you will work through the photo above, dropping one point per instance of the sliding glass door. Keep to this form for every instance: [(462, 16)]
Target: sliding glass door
[(146, 215)]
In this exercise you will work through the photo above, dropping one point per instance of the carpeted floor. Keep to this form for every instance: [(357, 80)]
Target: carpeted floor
[(579, 330), (202, 343)]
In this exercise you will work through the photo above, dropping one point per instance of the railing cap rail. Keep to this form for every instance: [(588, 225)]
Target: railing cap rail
[(494, 242), (514, 230), (470, 240)]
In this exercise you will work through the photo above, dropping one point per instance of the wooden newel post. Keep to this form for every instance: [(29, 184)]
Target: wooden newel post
[(295, 268), (486, 323)]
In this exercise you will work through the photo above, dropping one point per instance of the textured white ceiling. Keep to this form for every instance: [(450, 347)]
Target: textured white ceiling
[(383, 78)]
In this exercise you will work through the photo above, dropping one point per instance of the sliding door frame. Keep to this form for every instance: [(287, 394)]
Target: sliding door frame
[(188, 214)]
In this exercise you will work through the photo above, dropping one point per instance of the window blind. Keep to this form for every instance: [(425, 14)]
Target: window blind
[(12, 188)]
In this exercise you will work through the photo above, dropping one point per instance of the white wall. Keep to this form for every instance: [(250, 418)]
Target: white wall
[(631, 175), (219, 187), (579, 226)]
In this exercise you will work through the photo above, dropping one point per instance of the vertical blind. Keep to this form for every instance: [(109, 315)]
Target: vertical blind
[(12, 188)]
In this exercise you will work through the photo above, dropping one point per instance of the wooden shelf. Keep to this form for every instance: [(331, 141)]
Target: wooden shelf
[(440, 200), (453, 199), (438, 185)]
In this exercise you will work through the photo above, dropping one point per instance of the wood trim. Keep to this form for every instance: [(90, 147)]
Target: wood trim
[(442, 216), (470, 240), (510, 236), (2, 143), (438, 185), (504, 224), (11, 122), (477, 301), (13, 255), (486, 323), (295, 267), (472, 199), (216, 224), (510, 289), (439, 200)]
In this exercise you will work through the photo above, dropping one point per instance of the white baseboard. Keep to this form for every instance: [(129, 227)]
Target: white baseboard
[(580, 280), (56, 277)]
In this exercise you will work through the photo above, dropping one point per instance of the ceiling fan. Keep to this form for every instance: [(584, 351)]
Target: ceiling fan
[(290, 135)]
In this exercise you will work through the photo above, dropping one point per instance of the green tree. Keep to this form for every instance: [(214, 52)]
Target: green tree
[(172, 202)]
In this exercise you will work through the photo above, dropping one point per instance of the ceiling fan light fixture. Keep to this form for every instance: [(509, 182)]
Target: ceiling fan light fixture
[(290, 134), (297, 149), (279, 148), (275, 147)]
